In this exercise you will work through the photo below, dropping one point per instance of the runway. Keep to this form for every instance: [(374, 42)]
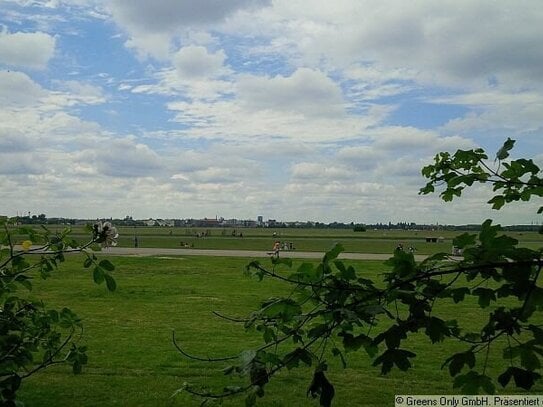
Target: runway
[(294, 254)]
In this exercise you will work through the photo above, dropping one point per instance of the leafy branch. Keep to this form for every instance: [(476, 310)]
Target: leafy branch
[(33, 337), (331, 303)]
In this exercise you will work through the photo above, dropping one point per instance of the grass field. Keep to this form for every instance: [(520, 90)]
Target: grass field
[(132, 361), (319, 240)]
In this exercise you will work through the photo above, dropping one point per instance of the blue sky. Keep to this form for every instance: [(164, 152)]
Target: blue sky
[(289, 109)]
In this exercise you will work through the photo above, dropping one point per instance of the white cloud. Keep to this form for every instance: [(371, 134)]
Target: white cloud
[(306, 91), (411, 139), (254, 107), (17, 88), (362, 157), (518, 112), (125, 158), (231, 121), (152, 25), (76, 92), (17, 163), (322, 172), (196, 62), (29, 50), (167, 15), (13, 140), (455, 43)]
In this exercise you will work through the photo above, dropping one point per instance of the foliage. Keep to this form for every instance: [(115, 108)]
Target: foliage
[(333, 310), (359, 228), (32, 336), (513, 180)]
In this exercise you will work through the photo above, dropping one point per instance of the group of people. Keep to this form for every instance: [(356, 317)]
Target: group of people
[(278, 246), (410, 249)]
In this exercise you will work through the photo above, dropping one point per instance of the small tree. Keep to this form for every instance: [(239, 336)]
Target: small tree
[(331, 304), (33, 337)]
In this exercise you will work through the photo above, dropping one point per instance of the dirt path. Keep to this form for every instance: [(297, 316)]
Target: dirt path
[(148, 251)]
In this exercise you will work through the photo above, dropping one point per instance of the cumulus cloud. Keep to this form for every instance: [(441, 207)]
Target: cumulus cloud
[(411, 139), (320, 172), (16, 163), (126, 158), (196, 62), (259, 107), (13, 140), (76, 92), (152, 26), (231, 120), (17, 88), (165, 15), (307, 91), (497, 109), (453, 42), (29, 50), (361, 157)]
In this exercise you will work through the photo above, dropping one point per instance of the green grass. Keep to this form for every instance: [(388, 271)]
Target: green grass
[(320, 240), (132, 361)]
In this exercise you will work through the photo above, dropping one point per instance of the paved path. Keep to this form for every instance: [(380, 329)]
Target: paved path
[(149, 251)]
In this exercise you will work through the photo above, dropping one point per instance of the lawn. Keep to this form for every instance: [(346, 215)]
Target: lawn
[(319, 240), (132, 361)]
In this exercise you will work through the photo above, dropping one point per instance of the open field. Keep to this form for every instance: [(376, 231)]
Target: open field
[(132, 361), (318, 240)]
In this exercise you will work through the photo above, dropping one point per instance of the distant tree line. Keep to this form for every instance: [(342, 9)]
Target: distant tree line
[(42, 219)]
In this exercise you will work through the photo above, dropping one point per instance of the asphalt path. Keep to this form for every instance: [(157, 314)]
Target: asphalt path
[(152, 251)]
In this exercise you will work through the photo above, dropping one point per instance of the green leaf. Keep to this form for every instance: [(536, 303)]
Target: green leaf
[(437, 329), (307, 269), (497, 202), (403, 263), (98, 275), (333, 253), (528, 359), (318, 330), (459, 360), (485, 296), (353, 343), (285, 309), (488, 232), (458, 294), (321, 386), (390, 357), (292, 359), (87, 263), (524, 379), (427, 189), (472, 381), (269, 335), (537, 332), (535, 299), (246, 359), (337, 352), (347, 273), (282, 260), (394, 335), (110, 282), (107, 265), (503, 152)]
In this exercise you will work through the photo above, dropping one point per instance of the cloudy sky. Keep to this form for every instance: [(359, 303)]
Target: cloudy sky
[(290, 109)]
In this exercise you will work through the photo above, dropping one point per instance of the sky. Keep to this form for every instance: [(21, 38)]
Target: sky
[(306, 110)]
